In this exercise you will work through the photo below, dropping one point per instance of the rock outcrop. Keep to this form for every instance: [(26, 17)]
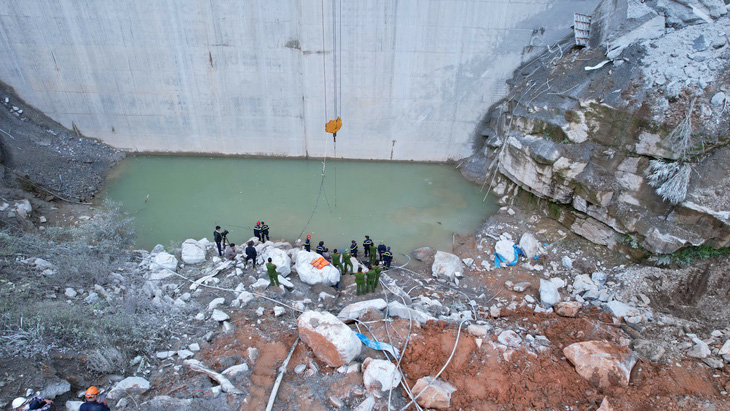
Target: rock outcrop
[(311, 275), (641, 165)]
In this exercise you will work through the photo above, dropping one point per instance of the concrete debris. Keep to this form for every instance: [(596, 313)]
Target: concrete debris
[(330, 339), (355, 310), (601, 363), (379, 375), (437, 395)]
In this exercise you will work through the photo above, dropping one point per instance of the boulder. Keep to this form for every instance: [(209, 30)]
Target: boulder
[(446, 265), (700, 349), (330, 339), (567, 309), (549, 294), (219, 315), (505, 249), (529, 245), (423, 253), (396, 309), (311, 275), (129, 385), (379, 375), (619, 309), (601, 363), (55, 389), (355, 310), (583, 283), (279, 257), (164, 260), (192, 252), (437, 395)]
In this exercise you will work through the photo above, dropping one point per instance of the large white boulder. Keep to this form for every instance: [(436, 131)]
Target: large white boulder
[(601, 363), (529, 246), (506, 249), (129, 385), (192, 252), (446, 265), (355, 310), (330, 339), (278, 257), (311, 275), (380, 375), (164, 260), (549, 294)]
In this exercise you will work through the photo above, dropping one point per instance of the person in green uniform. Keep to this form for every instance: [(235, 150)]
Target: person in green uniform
[(360, 281), (336, 260), (377, 270), (271, 270), (346, 262), (373, 255), (371, 281)]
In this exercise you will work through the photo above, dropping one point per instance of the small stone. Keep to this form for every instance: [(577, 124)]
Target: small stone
[(521, 287), (508, 284), (219, 316), (700, 349), (713, 362), (227, 327), (718, 99), (566, 262), (279, 311), (436, 396), (185, 354), (42, 219), (336, 402), (509, 338), (495, 311), (194, 347), (253, 354), (215, 303), (567, 309), (725, 350), (529, 299), (70, 292), (300, 368), (260, 311)]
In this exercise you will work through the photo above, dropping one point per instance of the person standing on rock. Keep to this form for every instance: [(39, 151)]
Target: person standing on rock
[(257, 230), (336, 262), (251, 254), (271, 271), (360, 281), (366, 246), (387, 258), (264, 232), (321, 249), (377, 270), (353, 249), (92, 401), (308, 243), (218, 238), (373, 255), (35, 403), (346, 262)]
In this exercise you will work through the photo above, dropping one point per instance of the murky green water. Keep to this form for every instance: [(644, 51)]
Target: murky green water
[(407, 205)]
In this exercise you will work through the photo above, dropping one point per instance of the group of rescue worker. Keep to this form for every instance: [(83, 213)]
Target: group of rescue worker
[(366, 282), (94, 402)]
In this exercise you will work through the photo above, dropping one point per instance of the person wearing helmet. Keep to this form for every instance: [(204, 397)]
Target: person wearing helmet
[(92, 401), (257, 230), (35, 403), (308, 243)]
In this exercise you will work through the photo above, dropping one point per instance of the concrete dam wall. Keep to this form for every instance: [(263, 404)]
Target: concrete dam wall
[(413, 77)]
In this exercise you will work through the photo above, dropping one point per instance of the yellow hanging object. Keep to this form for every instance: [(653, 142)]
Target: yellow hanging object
[(333, 126)]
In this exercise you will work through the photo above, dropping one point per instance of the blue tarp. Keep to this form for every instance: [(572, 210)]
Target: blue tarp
[(377, 345)]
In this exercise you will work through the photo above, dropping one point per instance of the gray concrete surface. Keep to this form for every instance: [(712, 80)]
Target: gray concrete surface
[(246, 77)]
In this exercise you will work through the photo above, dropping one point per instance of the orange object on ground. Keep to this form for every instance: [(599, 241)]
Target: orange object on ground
[(320, 263)]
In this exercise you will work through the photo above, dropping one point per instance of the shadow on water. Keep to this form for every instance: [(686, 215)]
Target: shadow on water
[(406, 205)]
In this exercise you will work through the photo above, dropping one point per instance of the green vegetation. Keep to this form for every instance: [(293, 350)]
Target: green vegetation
[(689, 255)]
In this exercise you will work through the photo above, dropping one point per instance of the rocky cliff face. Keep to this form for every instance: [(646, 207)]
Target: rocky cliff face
[(629, 136)]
